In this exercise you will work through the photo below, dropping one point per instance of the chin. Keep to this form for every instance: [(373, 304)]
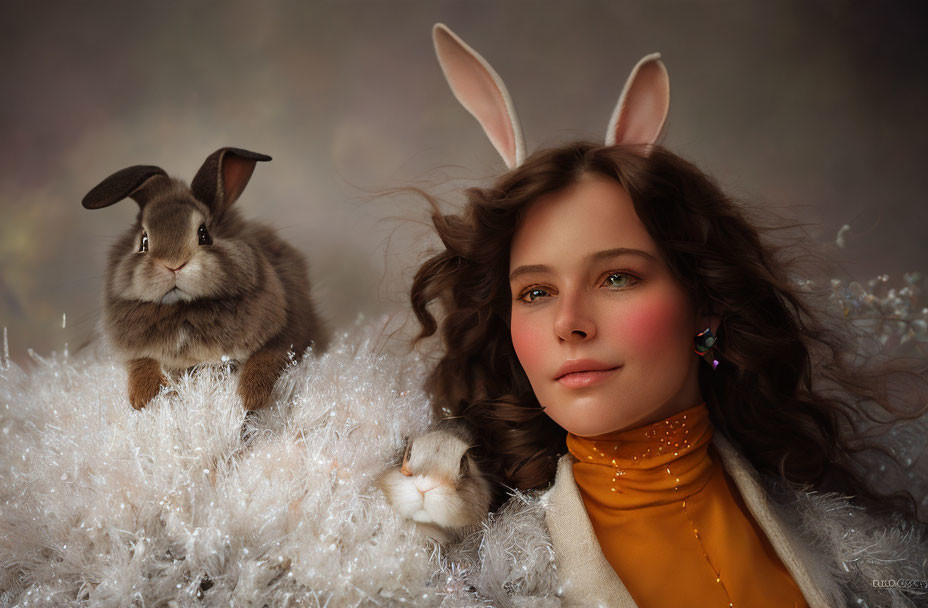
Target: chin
[(592, 417), (581, 421), (587, 430), (174, 296)]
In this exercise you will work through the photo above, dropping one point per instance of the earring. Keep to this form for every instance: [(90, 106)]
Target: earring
[(704, 342)]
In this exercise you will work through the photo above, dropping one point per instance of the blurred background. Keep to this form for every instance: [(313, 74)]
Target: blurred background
[(814, 109)]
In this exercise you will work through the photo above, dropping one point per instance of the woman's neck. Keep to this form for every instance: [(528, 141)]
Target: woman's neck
[(658, 463)]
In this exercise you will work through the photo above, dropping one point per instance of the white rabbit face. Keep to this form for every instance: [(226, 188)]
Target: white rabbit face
[(426, 499), (437, 483)]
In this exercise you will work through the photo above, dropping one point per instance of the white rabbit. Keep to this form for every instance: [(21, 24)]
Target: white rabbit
[(438, 485)]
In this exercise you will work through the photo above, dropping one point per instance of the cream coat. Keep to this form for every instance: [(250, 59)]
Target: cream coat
[(587, 578)]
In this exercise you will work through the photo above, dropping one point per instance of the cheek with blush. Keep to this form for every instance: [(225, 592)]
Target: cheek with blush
[(649, 328), (530, 345)]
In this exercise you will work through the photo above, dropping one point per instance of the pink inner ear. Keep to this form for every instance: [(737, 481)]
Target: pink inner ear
[(478, 91), (235, 175), (644, 105)]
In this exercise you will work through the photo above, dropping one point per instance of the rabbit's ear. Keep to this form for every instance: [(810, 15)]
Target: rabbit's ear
[(223, 177), (642, 109), (482, 92), (137, 182)]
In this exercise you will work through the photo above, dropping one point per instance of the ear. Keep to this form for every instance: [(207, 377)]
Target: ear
[(138, 182), (639, 116), (223, 176), (482, 92)]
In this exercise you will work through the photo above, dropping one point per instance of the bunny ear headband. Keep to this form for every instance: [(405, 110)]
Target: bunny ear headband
[(638, 118)]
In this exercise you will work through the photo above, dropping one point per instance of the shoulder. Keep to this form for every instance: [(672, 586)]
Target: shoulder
[(836, 538), (855, 546)]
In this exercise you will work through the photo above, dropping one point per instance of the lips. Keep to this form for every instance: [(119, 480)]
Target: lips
[(581, 373), (578, 366)]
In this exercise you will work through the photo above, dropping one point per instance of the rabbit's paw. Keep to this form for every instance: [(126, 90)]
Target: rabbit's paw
[(259, 374), (145, 381)]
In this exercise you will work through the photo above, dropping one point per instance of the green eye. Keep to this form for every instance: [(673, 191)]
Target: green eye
[(618, 279), (615, 280), (530, 295)]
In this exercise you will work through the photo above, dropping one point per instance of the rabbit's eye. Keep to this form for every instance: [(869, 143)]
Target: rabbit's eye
[(205, 238), (143, 246)]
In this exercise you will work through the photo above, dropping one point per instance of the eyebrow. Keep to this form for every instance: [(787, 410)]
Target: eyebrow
[(599, 255)]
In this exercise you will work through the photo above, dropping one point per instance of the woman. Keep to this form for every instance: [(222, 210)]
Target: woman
[(613, 325)]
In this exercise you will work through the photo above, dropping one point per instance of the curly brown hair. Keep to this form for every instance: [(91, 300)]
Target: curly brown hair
[(773, 395)]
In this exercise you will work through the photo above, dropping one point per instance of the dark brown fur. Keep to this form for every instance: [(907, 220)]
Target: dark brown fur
[(145, 380), (245, 296)]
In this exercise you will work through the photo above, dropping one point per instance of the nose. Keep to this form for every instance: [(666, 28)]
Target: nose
[(424, 484), (170, 267), (574, 321)]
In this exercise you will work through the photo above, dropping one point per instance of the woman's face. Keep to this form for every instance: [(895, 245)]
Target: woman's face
[(601, 327)]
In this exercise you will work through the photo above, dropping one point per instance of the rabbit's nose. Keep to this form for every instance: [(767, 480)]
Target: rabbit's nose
[(168, 266), (424, 484)]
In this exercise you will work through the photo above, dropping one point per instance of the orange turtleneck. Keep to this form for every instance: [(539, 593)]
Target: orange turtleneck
[(670, 521)]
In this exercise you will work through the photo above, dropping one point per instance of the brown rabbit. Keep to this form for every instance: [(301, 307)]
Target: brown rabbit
[(192, 282)]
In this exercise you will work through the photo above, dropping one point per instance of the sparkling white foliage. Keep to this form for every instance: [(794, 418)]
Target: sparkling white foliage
[(105, 505)]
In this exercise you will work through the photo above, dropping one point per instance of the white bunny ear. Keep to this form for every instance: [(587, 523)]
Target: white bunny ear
[(482, 92), (642, 109)]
